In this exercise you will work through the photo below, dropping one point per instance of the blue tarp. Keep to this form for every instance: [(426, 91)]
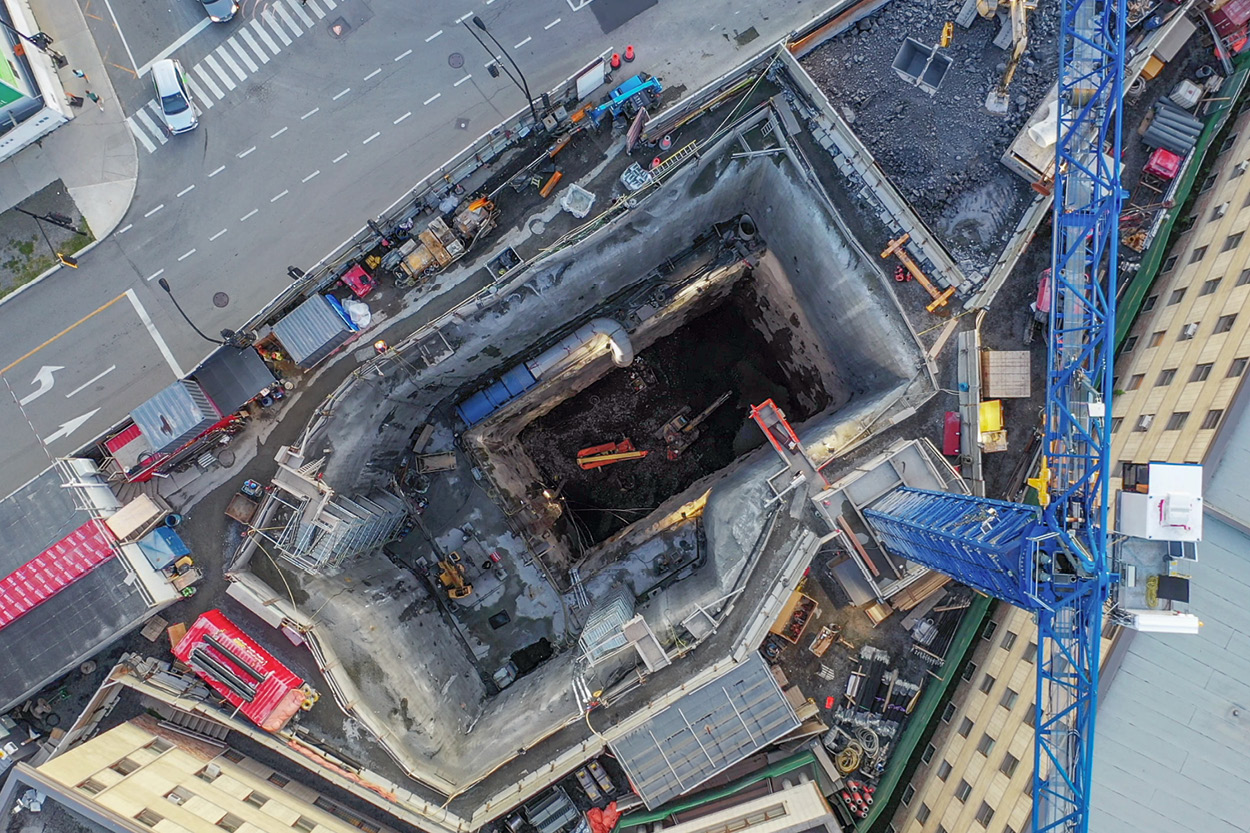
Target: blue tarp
[(514, 382), (162, 547)]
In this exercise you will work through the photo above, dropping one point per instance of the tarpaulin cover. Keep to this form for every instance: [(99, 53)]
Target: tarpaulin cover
[(54, 569), (231, 377), (162, 547), (275, 693), (313, 330)]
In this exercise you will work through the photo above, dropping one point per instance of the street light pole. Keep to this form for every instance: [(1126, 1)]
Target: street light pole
[(41, 41), (59, 220), (525, 87), (164, 284)]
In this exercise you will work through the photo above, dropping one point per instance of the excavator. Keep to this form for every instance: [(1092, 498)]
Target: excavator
[(453, 578), (998, 101), (680, 432)]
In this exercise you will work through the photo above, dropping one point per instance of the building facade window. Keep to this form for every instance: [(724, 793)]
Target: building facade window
[(1009, 641), (909, 792), (987, 632), (1225, 323), (986, 746), (1188, 331), (965, 727), (1244, 277), (944, 770), (970, 668), (987, 682), (1212, 419), (1135, 381), (1150, 303), (922, 813), (1008, 699), (1207, 183), (124, 767), (948, 712), (1030, 717), (1201, 372), (256, 799), (1232, 241), (1030, 653), (1008, 765), (232, 755), (230, 822), (984, 814), (1116, 422), (278, 779), (1238, 367), (1176, 421), (1199, 254), (1177, 296), (1156, 338), (342, 813), (159, 745), (1166, 377), (1209, 287), (1130, 343), (1169, 263), (304, 823), (148, 818), (91, 786), (963, 790), (929, 752)]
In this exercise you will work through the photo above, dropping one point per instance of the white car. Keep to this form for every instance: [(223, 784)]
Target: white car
[(219, 11), (176, 108)]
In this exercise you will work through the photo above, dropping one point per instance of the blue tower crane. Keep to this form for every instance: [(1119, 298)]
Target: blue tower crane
[(1052, 559)]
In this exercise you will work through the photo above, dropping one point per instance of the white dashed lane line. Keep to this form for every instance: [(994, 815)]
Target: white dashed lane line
[(248, 214), (246, 152), (155, 274), (522, 43), (401, 118), (552, 23), (309, 113), (371, 138), (340, 95), (464, 17), (433, 36), (215, 236), (403, 55), (340, 157), (125, 228), (310, 176), (279, 196), (187, 255), (279, 133), (186, 190), (219, 170), (154, 210), (375, 72), (462, 80), (433, 98)]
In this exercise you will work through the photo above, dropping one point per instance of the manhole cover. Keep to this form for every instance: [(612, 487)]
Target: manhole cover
[(537, 226), (455, 60), (462, 124), (221, 299), (339, 27)]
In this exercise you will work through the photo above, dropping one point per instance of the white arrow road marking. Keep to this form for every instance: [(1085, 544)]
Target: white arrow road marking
[(70, 427), (44, 381)]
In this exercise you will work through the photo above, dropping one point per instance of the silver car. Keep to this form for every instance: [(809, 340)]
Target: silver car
[(170, 81), (219, 11)]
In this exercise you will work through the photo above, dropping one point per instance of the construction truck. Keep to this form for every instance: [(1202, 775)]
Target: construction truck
[(453, 578), (626, 100)]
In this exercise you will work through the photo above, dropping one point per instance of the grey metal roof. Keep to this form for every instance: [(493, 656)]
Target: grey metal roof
[(175, 415), (34, 518), (1173, 733), (232, 377), (312, 331), (705, 732)]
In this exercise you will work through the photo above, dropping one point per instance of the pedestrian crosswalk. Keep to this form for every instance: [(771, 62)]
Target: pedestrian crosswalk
[(275, 27)]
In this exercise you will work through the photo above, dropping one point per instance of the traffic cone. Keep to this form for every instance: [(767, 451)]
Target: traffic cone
[(616, 60), (629, 54)]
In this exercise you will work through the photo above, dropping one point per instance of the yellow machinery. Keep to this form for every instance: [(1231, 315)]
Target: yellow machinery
[(939, 297), (453, 578), (998, 101)]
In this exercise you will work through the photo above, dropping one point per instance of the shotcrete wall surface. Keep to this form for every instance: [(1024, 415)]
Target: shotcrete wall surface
[(839, 315)]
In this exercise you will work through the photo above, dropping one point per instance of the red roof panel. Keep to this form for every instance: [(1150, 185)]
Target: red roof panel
[(54, 569)]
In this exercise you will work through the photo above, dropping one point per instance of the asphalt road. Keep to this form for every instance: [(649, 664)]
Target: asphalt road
[(314, 118)]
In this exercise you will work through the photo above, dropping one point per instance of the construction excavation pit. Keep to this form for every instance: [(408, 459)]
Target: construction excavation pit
[(582, 452)]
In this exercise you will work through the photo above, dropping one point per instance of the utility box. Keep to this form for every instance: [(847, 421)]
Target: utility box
[(921, 65)]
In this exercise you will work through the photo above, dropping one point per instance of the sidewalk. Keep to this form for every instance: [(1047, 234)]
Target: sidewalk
[(94, 154)]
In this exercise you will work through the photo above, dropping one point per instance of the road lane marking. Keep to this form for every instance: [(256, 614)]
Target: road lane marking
[(215, 236), (340, 157), (201, 97), (403, 55), (263, 34), (219, 170), (169, 50), (279, 196), (186, 190), (154, 210), (276, 26), (141, 136), (248, 214), (288, 20), (303, 15), (83, 320), (120, 34), (462, 80), (371, 138), (464, 17), (375, 72), (340, 95), (243, 54), (279, 133), (125, 228), (208, 81), (316, 9), (187, 255), (310, 176), (156, 336), (151, 125), (552, 23), (433, 36), (224, 54), (91, 381), (401, 118), (246, 152), (257, 49), (309, 113), (432, 98), (522, 43), (219, 72), (155, 274)]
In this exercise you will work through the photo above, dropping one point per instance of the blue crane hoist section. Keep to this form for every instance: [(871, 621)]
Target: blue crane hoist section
[(1053, 560)]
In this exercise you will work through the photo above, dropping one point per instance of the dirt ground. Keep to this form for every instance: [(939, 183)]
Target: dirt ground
[(713, 354), (942, 151)]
